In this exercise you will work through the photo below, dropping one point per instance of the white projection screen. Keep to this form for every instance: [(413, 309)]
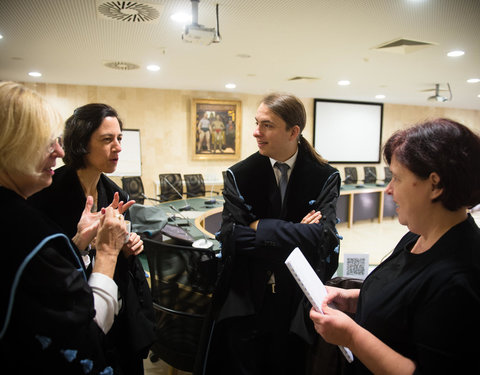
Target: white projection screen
[(347, 132)]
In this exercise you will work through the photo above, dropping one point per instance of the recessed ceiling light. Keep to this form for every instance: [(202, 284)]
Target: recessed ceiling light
[(455, 53), (153, 68), (343, 82), (473, 80), (181, 17), (380, 96), (478, 95), (1, 36), (230, 85), (35, 74)]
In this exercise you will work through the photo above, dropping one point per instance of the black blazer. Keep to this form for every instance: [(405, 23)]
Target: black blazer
[(249, 257), (132, 333), (251, 193)]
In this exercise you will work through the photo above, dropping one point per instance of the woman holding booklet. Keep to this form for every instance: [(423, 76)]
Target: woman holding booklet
[(417, 312)]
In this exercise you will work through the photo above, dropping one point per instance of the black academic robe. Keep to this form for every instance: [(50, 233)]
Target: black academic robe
[(249, 258), (46, 304), (133, 330)]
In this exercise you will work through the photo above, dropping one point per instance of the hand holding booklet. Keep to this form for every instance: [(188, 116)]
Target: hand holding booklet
[(311, 285)]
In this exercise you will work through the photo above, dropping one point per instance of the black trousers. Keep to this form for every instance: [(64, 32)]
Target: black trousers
[(259, 344)]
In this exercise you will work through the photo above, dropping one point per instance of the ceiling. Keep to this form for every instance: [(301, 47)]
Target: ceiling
[(265, 43)]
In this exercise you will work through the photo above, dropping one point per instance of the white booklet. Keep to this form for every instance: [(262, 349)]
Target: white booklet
[(311, 285)]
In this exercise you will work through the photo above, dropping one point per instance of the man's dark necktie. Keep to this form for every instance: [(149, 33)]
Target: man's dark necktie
[(282, 184)]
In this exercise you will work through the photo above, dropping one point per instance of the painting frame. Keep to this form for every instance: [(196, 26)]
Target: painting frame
[(216, 129)]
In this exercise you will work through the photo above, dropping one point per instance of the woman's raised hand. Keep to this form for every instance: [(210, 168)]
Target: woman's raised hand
[(87, 226), (120, 205)]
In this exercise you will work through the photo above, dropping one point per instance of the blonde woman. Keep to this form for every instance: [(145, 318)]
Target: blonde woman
[(53, 318)]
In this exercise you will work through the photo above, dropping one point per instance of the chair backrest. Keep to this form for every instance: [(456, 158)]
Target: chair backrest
[(195, 185), (182, 281), (388, 175), (167, 192), (370, 175), (351, 175), (134, 188), (182, 277)]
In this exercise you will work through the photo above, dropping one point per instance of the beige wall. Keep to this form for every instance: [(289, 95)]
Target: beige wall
[(163, 117)]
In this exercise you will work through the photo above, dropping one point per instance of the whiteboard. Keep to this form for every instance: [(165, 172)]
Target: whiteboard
[(348, 132), (130, 159)]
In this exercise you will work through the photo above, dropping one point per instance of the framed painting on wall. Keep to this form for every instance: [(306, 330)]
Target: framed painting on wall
[(215, 129)]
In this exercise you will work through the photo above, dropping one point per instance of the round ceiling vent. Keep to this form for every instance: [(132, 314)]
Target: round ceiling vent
[(121, 65), (128, 11)]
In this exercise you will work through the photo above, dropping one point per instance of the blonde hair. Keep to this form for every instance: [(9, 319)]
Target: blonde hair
[(28, 123)]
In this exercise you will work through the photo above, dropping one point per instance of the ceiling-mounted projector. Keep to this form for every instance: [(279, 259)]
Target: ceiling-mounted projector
[(199, 34), (439, 98), (196, 33)]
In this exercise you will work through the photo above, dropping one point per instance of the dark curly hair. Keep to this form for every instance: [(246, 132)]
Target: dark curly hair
[(79, 129), (446, 147)]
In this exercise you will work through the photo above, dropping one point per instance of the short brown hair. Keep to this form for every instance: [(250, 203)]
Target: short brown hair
[(446, 147)]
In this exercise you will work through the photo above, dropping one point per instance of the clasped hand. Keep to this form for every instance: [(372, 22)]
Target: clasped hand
[(90, 223), (313, 217)]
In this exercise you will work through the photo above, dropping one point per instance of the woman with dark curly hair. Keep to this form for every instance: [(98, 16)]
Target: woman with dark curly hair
[(92, 142), (417, 312)]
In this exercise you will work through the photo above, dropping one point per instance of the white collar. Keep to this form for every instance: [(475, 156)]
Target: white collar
[(290, 162)]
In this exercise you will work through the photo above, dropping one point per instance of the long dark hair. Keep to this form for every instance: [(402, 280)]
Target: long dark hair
[(291, 110)]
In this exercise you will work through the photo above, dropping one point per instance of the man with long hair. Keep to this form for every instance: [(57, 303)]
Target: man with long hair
[(281, 197)]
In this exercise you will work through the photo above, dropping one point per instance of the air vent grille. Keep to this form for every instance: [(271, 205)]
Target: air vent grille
[(128, 11), (121, 65)]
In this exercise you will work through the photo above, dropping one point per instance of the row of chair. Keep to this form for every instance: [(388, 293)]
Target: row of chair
[(171, 184), (171, 187), (370, 175)]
